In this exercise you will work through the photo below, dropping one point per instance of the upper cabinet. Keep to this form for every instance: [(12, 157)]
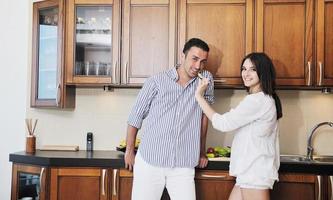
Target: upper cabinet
[(123, 42), (92, 42), (324, 72), (227, 26), (47, 81), (288, 31), (148, 39)]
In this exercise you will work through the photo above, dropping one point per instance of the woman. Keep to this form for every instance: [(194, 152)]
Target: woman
[(255, 148)]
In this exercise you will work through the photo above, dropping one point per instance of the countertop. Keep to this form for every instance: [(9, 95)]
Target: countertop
[(115, 159)]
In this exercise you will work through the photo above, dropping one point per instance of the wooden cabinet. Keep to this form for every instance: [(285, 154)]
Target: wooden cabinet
[(70, 183), (92, 41), (298, 187), (324, 47), (148, 39), (29, 181), (48, 87), (79, 183), (288, 31), (213, 184), (227, 27)]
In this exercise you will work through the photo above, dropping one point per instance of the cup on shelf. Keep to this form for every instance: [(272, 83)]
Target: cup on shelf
[(89, 68), (79, 68), (102, 69), (108, 69)]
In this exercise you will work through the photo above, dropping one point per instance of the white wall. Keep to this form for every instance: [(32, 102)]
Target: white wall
[(14, 37), (105, 113)]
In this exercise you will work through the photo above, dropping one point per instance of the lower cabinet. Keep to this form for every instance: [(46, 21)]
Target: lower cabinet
[(90, 183), (213, 184), (79, 184), (293, 186), (29, 181)]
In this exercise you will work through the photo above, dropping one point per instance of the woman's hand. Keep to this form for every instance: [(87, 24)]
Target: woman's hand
[(200, 91), (201, 88)]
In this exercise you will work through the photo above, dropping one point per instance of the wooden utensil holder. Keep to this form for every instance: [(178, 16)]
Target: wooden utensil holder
[(30, 145)]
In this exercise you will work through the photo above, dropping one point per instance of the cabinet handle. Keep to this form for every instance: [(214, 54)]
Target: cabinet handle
[(331, 182), (319, 187), (41, 178), (213, 176), (126, 70), (114, 192), (103, 181), (320, 73), (220, 81), (115, 70), (58, 94), (309, 74)]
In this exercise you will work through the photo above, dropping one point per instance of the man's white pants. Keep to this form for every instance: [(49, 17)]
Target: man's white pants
[(149, 182)]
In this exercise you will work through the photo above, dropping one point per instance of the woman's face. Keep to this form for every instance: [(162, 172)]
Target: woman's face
[(250, 76)]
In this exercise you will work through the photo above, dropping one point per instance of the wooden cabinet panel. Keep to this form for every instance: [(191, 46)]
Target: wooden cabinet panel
[(148, 39), (285, 32), (226, 26), (297, 187), (79, 183), (213, 185), (324, 43)]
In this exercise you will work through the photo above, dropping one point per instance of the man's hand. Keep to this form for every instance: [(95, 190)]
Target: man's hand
[(129, 159), (203, 161)]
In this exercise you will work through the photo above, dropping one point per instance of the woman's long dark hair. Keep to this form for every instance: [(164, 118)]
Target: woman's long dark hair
[(266, 73)]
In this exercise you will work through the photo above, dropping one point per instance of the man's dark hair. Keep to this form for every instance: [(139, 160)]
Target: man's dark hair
[(195, 42)]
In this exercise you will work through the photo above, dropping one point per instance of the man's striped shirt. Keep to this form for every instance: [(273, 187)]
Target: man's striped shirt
[(172, 127)]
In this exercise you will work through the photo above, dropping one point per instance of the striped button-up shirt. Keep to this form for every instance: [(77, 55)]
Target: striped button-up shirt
[(172, 127)]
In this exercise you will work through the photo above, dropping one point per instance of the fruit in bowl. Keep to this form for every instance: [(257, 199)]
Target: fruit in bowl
[(213, 152), (122, 145)]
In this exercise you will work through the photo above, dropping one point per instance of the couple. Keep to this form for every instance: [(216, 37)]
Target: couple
[(176, 107)]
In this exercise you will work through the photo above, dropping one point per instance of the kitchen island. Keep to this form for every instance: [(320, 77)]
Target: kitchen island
[(101, 175)]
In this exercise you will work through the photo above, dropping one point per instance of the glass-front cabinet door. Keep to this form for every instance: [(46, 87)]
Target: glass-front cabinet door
[(92, 43), (29, 181), (47, 80)]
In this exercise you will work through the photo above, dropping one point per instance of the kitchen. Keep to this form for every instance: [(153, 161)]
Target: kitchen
[(105, 112)]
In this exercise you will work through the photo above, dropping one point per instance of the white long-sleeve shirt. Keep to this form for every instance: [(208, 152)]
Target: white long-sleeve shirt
[(255, 147)]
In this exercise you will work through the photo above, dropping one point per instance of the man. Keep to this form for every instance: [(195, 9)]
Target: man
[(174, 135)]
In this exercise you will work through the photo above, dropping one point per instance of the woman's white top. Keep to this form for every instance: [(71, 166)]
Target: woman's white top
[(255, 147)]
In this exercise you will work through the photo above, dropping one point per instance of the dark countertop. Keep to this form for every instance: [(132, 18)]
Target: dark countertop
[(112, 159), (115, 159)]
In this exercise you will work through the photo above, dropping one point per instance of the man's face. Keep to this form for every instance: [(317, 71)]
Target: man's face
[(194, 61)]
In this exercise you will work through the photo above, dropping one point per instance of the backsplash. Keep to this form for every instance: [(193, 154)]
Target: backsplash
[(105, 114)]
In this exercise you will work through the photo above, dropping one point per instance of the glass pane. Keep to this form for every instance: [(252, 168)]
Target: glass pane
[(28, 186), (47, 59), (93, 52)]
